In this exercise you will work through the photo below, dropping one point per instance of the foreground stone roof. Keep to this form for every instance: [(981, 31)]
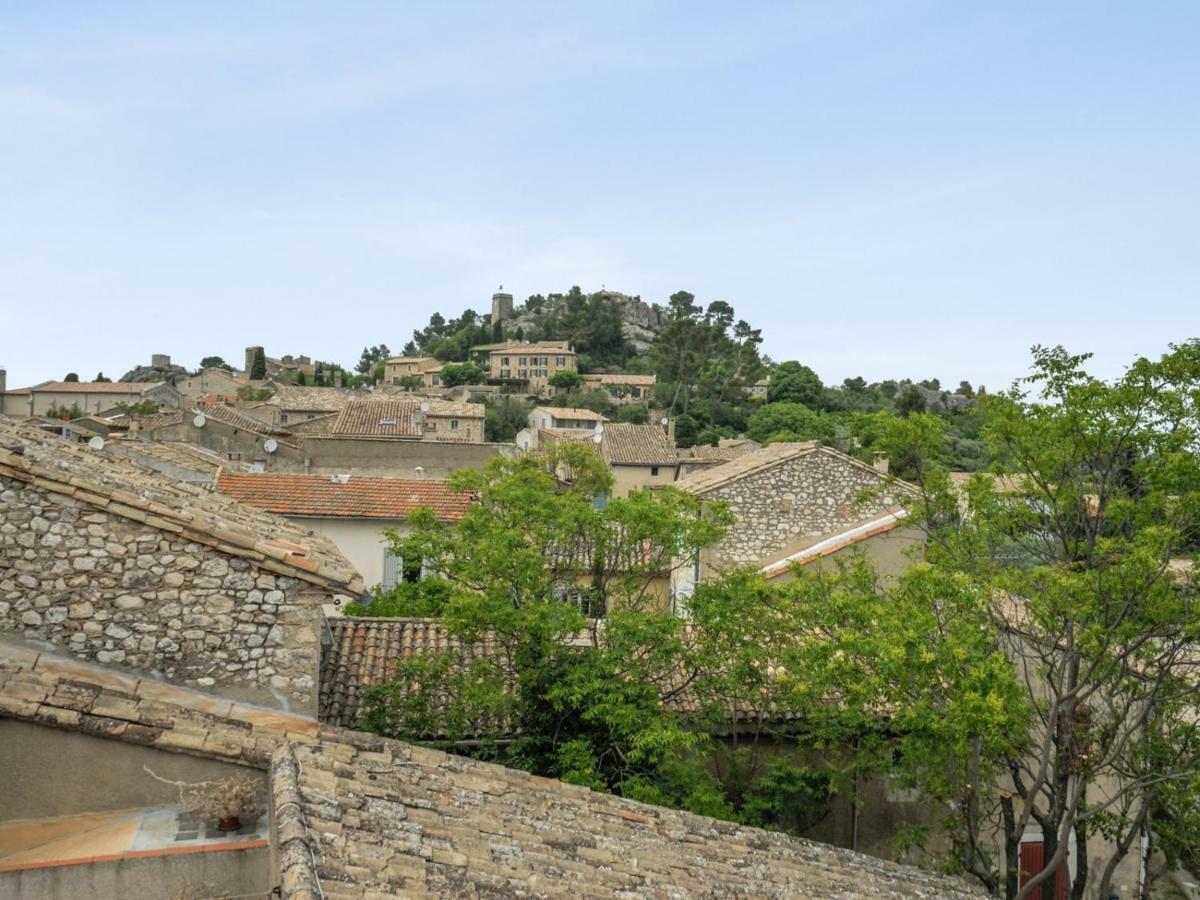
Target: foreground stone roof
[(119, 488), (359, 816)]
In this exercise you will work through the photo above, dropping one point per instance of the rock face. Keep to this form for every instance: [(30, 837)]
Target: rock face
[(108, 589), (155, 373), (640, 321)]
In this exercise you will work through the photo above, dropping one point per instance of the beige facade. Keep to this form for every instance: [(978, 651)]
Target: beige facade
[(629, 478), (426, 368), (624, 389), (530, 364), (361, 541), (89, 397), (211, 382)]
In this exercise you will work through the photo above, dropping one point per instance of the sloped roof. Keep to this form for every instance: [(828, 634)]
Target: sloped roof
[(359, 498), (119, 488), (311, 399), (625, 444), (571, 412), (412, 821), (461, 410), (621, 378), (175, 453), (238, 419), (366, 418), (158, 420), (754, 461), (518, 347), (89, 387), (812, 549)]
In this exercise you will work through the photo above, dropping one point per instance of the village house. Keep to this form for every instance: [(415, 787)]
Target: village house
[(796, 503), (623, 388), (564, 417), (55, 398), (398, 368), (639, 456), (760, 389), (410, 418), (290, 405), (115, 564), (527, 367), (212, 383), (351, 511)]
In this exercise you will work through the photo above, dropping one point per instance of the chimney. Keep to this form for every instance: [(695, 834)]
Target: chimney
[(3, 381), (671, 431), (881, 462), (337, 378)]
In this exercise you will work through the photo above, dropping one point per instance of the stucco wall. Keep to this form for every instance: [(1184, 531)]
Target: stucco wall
[(629, 478), (360, 540), (53, 772), (107, 589)]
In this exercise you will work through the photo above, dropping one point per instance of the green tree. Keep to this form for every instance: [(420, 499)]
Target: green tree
[(370, 357), (565, 380), (524, 568), (910, 401), (792, 382), (503, 417), (258, 366), (215, 362), (1072, 554), (461, 373), (101, 379), (71, 377), (789, 422), (411, 382), (634, 413)]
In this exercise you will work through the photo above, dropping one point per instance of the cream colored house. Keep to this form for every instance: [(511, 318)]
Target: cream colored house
[(527, 365), (351, 511), (639, 456), (411, 418), (426, 368)]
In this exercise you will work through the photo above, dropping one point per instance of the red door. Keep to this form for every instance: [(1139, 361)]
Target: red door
[(1033, 860)]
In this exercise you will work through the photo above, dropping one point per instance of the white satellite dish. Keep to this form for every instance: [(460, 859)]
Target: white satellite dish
[(663, 420), (425, 406), (599, 428), (270, 445), (597, 438), (199, 420), (96, 443)]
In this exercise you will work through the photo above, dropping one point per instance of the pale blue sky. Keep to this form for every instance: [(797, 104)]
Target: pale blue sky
[(886, 189)]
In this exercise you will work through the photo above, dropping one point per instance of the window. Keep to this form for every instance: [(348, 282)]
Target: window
[(653, 471), (283, 418), (431, 426), (395, 570), (436, 379), (562, 361), (454, 424), (504, 361)]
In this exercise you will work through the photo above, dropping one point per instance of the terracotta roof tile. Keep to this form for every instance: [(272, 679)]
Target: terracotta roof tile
[(360, 498)]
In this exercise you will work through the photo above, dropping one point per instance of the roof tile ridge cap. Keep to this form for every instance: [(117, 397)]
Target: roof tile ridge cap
[(295, 850)]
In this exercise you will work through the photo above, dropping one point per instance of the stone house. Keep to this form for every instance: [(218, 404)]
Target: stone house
[(785, 498), (293, 404), (212, 382), (122, 566), (351, 511), (426, 368), (639, 456), (527, 367), (410, 418)]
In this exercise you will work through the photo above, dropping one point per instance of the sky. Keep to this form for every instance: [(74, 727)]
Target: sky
[(886, 189)]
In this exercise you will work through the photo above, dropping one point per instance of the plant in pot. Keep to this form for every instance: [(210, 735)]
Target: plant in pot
[(229, 801)]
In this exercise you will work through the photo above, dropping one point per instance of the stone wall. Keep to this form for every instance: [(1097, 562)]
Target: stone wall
[(108, 589), (811, 495)]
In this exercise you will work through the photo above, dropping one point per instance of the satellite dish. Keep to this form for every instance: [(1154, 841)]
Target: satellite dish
[(599, 428), (597, 438), (270, 445), (425, 406), (663, 421), (199, 420), (96, 443)]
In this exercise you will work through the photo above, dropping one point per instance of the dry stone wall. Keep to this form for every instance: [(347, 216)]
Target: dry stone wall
[(107, 589), (811, 495)]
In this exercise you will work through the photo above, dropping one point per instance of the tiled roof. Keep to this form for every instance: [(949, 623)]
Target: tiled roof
[(448, 408), (365, 652), (173, 453), (815, 548), (360, 498), (90, 387), (238, 419), (625, 444), (621, 378), (719, 454), (367, 418), (158, 420), (708, 479), (570, 412), (311, 399), (113, 485), (356, 815), (518, 347), (362, 816)]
